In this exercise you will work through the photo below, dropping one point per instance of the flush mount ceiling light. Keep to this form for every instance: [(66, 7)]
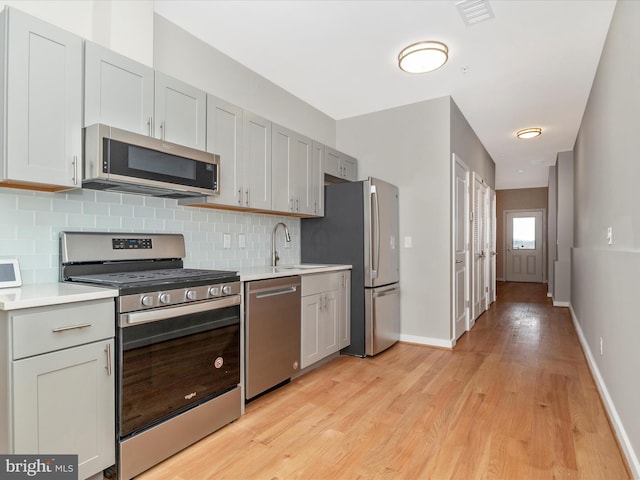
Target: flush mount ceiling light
[(529, 132), (423, 57)]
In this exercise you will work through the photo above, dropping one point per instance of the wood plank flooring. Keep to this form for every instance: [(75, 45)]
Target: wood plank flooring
[(514, 400)]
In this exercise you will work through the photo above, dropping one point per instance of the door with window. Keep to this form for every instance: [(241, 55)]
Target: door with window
[(524, 246)]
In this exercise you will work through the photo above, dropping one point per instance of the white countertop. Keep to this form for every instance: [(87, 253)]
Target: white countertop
[(43, 294), (262, 273)]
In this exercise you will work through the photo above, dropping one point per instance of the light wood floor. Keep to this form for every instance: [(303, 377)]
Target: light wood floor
[(513, 400)]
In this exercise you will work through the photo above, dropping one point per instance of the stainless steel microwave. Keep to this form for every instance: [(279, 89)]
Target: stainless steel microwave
[(120, 161)]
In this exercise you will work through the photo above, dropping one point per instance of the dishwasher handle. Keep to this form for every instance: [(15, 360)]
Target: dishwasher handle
[(276, 291)]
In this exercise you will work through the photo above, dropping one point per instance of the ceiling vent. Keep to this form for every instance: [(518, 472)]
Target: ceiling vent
[(474, 11)]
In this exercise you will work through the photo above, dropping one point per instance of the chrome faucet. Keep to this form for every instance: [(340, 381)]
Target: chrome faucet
[(287, 237)]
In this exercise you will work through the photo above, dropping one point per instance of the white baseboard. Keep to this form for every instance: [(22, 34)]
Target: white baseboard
[(549, 294), (621, 433), (431, 342), (561, 304)]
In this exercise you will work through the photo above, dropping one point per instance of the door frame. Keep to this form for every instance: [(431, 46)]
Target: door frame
[(544, 238), (455, 159)]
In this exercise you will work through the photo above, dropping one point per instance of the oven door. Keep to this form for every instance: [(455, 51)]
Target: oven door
[(171, 364)]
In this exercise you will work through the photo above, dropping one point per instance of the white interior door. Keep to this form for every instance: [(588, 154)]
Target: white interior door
[(479, 247), (523, 243), (460, 223)]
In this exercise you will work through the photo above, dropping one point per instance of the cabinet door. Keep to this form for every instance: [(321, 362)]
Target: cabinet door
[(283, 169), (180, 112), (224, 138), (118, 90), (44, 111), (256, 161), (344, 312), (349, 168), (304, 173), (311, 350), (317, 179), (330, 329), (64, 403), (332, 162)]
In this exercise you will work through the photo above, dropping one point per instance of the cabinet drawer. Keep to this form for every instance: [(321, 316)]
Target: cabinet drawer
[(320, 282), (45, 329)]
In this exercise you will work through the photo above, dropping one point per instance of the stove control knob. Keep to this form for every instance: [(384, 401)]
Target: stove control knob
[(226, 289), (214, 291), (165, 298), (191, 295), (147, 301)]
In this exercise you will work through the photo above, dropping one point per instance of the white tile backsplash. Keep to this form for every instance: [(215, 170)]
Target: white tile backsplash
[(31, 222)]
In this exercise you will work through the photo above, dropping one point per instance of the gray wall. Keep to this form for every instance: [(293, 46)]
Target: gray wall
[(181, 55), (605, 277), (564, 229), (552, 228), (466, 145), (411, 146)]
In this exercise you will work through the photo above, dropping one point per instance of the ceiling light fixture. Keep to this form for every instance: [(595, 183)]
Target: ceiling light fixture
[(529, 132), (423, 57)]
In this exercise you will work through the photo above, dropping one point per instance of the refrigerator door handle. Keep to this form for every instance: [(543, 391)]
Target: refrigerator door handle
[(375, 255), (386, 292)]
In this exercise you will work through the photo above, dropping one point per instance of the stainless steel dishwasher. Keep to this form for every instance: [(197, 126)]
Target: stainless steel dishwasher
[(272, 329)]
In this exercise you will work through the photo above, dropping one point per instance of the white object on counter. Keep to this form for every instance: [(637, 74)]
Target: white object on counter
[(43, 294)]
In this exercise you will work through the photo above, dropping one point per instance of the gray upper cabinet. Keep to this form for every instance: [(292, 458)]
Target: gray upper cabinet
[(118, 91), (123, 93), (293, 172), (340, 165), (41, 104), (317, 179), (224, 138), (180, 112), (256, 161)]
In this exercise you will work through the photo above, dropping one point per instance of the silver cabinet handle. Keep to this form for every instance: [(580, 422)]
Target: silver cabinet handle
[(150, 124), (247, 197), (70, 327), (458, 261), (391, 291), (163, 130), (74, 164), (240, 197), (108, 352), (297, 204)]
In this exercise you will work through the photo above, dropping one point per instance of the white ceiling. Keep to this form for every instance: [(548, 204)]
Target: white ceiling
[(531, 65)]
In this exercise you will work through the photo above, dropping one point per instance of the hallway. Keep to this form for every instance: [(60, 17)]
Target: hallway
[(514, 400)]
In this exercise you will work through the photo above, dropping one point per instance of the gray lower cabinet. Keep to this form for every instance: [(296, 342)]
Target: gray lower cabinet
[(59, 368), (325, 315), (41, 103)]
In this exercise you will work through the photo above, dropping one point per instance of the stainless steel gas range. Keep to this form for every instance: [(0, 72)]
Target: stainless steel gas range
[(177, 341)]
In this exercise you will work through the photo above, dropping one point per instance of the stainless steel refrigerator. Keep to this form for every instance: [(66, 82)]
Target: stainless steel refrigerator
[(360, 227)]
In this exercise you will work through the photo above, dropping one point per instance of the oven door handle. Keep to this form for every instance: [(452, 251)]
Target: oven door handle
[(127, 319)]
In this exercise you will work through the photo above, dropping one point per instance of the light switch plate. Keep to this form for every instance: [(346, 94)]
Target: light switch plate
[(408, 242), (226, 240), (242, 240), (610, 236)]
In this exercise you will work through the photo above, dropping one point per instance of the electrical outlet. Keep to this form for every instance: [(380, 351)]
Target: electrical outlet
[(408, 242), (601, 347), (226, 240), (242, 240), (610, 236)]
